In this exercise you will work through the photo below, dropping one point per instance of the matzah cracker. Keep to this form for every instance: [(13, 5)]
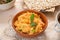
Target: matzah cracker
[(41, 4)]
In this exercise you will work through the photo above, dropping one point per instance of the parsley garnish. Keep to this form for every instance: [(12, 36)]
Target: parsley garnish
[(32, 18), (7, 1)]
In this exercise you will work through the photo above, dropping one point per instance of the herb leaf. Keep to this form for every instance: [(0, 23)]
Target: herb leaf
[(8, 1), (33, 24), (33, 30), (32, 17)]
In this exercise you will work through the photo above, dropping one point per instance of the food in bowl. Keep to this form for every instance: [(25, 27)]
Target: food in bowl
[(6, 4), (5, 1), (29, 23)]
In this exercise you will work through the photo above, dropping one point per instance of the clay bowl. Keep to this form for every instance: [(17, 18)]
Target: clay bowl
[(43, 17)]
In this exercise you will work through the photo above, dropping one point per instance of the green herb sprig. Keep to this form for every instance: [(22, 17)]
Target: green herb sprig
[(7, 1), (32, 18)]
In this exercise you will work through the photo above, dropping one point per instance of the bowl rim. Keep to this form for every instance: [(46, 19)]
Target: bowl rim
[(27, 35), (57, 15), (8, 3)]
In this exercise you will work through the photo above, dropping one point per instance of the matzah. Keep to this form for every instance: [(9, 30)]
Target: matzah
[(41, 4)]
